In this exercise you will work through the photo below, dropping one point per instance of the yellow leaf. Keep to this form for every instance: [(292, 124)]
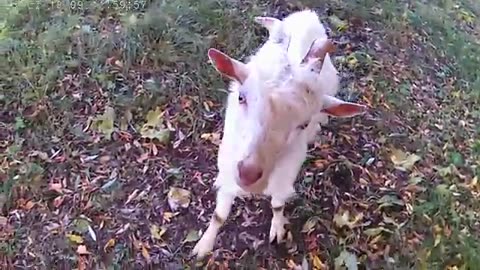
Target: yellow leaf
[(352, 60), (474, 182), (157, 232), (466, 16), (104, 122), (126, 118), (145, 253), (402, 160), (162, 135), (154, 117), (345, 220), (310, 224), (317, 263), (375, 239), (75, 238), (339, 24), (438, 238), (373, 231), (437, 228), (167, 216), (178, 197), (109, 244), (153, 128), (212, 137)]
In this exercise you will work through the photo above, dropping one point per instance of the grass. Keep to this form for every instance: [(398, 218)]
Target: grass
[(63, 64), (450, 29)]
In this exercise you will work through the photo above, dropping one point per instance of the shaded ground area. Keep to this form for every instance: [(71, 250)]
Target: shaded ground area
[(111, 118)]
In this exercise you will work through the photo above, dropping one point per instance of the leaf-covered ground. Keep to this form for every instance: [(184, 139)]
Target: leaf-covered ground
[(111, 117)]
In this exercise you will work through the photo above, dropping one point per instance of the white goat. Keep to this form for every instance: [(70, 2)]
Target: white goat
[(302, 28), (264, 143)]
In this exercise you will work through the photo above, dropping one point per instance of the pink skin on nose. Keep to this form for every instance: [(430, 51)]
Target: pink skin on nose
[(249, 172)]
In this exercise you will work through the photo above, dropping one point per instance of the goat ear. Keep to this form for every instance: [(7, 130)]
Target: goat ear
[(228, 66), (267, 22), (319, 50), (339, 108)]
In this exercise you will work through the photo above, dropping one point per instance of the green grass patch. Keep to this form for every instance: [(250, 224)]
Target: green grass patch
[(450, 214), (450, 28)]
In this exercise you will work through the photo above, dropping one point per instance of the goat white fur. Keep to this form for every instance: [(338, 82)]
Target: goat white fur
[(270, 62), (268, 59), (302, 28)]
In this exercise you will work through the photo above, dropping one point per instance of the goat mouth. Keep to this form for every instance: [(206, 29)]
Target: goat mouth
[(247, 183)]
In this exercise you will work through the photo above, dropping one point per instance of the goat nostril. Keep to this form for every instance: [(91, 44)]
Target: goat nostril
[(249, 173), (259, 174)]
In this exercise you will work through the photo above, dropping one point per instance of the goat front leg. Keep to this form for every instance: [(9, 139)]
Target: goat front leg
[(277, 229), (222, 210)]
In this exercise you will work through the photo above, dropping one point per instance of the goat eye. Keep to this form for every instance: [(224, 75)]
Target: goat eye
[(304, 125), (241, 98)]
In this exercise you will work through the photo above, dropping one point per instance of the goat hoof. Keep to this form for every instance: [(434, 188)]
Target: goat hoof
[(203, 247), (277, 230)]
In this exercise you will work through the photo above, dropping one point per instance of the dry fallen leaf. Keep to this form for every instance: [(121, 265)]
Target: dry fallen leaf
[(145, 253), (81, 263), (3, 221), (339, 24), (154, 117), (92, 233), (75, 238), (310, 224), (321, 163), (153, 128), (402, 160), (29, 205), (57, 187), (474, 183), (192, 236), (317, 263), (390, 200), (58, 201), (348, 259), (344, 219), (82, 250), (162, 135), (109, 244), (104, 122), (212, 137), (167, 216), (125, 120), (157, 232), (178, 197), (376, 231)]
